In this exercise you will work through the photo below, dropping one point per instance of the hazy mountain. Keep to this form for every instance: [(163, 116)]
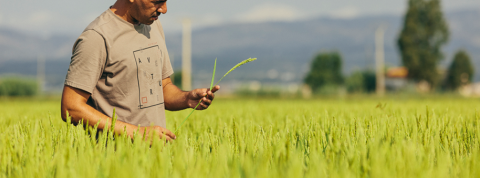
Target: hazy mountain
[(15, 45), (284, 49), (290, 46)]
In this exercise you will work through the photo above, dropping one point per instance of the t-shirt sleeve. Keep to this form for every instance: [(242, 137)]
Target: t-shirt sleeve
[(167, 70), (88, 61)]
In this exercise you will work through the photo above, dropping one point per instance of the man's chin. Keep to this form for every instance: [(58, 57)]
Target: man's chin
[(149, 22)]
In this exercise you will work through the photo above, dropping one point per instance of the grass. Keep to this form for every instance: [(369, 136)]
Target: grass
[(428, 137)]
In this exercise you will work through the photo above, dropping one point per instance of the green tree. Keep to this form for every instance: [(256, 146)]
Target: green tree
[(326, 69), (424, 32), (18, 87), (460, 71), (361, 81), (177, 78)]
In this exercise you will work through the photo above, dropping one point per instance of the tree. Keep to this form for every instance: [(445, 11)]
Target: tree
[(326, 69), (361, 81), (177, 78), (460, 71), (14, 86), (424, 32)]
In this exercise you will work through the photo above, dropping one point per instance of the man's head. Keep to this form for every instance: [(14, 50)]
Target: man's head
[(147, 11), (140, 11)]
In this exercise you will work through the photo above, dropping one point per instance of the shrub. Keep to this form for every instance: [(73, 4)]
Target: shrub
[(325, 70), (18, 87), (460, 72), (361, 81)]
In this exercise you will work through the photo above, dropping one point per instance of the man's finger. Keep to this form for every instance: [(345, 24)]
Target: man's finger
[(203, 106), (210, 95), (169, 134), (167, 138), (206, 101), (215, 88)]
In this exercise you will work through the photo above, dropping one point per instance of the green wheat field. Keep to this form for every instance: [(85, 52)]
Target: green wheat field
[(358, 137)]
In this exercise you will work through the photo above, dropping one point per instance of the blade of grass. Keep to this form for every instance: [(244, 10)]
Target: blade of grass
[(211, 85), (238, 65), (213, 75), (187, 117)]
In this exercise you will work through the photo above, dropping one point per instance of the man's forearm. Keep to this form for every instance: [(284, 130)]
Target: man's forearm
[(74, 101), (174, 98), (104, 122), (94, 117)]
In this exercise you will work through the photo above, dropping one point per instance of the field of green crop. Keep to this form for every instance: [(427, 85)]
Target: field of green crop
[(432, 137)]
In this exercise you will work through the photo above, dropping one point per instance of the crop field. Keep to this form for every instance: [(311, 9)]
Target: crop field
[(362, 137)]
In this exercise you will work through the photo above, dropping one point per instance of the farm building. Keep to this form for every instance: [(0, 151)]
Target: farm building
[(396, 78), (470, 90)]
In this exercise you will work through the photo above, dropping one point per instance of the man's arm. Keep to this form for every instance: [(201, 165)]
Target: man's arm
[(176, 99), (75, 102)]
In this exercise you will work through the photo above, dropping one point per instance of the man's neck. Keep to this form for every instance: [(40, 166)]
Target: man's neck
[(121, 9)]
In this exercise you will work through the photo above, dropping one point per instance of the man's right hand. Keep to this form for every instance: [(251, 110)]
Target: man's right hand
[(75, 102), (156, 132)]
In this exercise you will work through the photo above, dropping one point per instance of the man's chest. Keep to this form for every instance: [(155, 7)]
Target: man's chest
[(143, 51), (136, 63)]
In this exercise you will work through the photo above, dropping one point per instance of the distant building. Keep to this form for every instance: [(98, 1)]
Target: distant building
[(470, 90), (396, 78)]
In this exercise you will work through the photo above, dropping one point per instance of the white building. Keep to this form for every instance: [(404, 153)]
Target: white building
[(470, 90)]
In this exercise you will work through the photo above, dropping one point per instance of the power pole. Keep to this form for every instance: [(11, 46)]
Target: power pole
[(41, 73), (172, 62), (380, 60), (187, 55)]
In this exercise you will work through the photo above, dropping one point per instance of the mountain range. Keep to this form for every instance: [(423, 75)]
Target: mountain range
[(284, 49)]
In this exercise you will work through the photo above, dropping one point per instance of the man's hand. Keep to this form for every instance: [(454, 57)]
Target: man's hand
[(203, 94), (156, 132), (176, 99)]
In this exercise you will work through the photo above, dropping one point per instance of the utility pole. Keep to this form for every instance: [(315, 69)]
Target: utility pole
[(172, 62), (41, 73), (380, 60), (187, 55)]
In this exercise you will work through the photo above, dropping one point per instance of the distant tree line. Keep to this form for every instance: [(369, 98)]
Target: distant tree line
[(326, 75), (420, 42), (15, 86)]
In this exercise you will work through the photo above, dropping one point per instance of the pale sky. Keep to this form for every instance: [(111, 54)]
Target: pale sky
[(45, 17)]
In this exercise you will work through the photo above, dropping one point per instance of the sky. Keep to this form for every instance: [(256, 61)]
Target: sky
[(47, 17)]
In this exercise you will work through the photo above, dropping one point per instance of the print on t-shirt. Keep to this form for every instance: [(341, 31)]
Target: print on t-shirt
[(149, 62)]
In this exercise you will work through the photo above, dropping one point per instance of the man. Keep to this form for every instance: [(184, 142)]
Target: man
[(121, 61)]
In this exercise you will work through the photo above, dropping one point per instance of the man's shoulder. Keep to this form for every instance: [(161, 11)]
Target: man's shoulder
[(158, 25), (105, 20)]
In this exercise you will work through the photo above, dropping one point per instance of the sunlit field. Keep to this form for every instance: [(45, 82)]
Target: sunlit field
[(359, 137)]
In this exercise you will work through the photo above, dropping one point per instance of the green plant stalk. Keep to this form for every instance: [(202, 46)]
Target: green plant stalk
[(211, 84), (213, 75), (238, 65), (187, 117)]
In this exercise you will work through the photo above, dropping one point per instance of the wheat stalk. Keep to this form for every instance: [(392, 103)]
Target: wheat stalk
[(234, 67), (213, 75), (211, 84)]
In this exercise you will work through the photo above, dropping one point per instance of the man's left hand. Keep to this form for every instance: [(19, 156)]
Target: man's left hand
[(201, 94)]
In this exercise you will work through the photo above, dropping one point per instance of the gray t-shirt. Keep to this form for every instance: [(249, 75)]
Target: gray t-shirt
[(122, 66)]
